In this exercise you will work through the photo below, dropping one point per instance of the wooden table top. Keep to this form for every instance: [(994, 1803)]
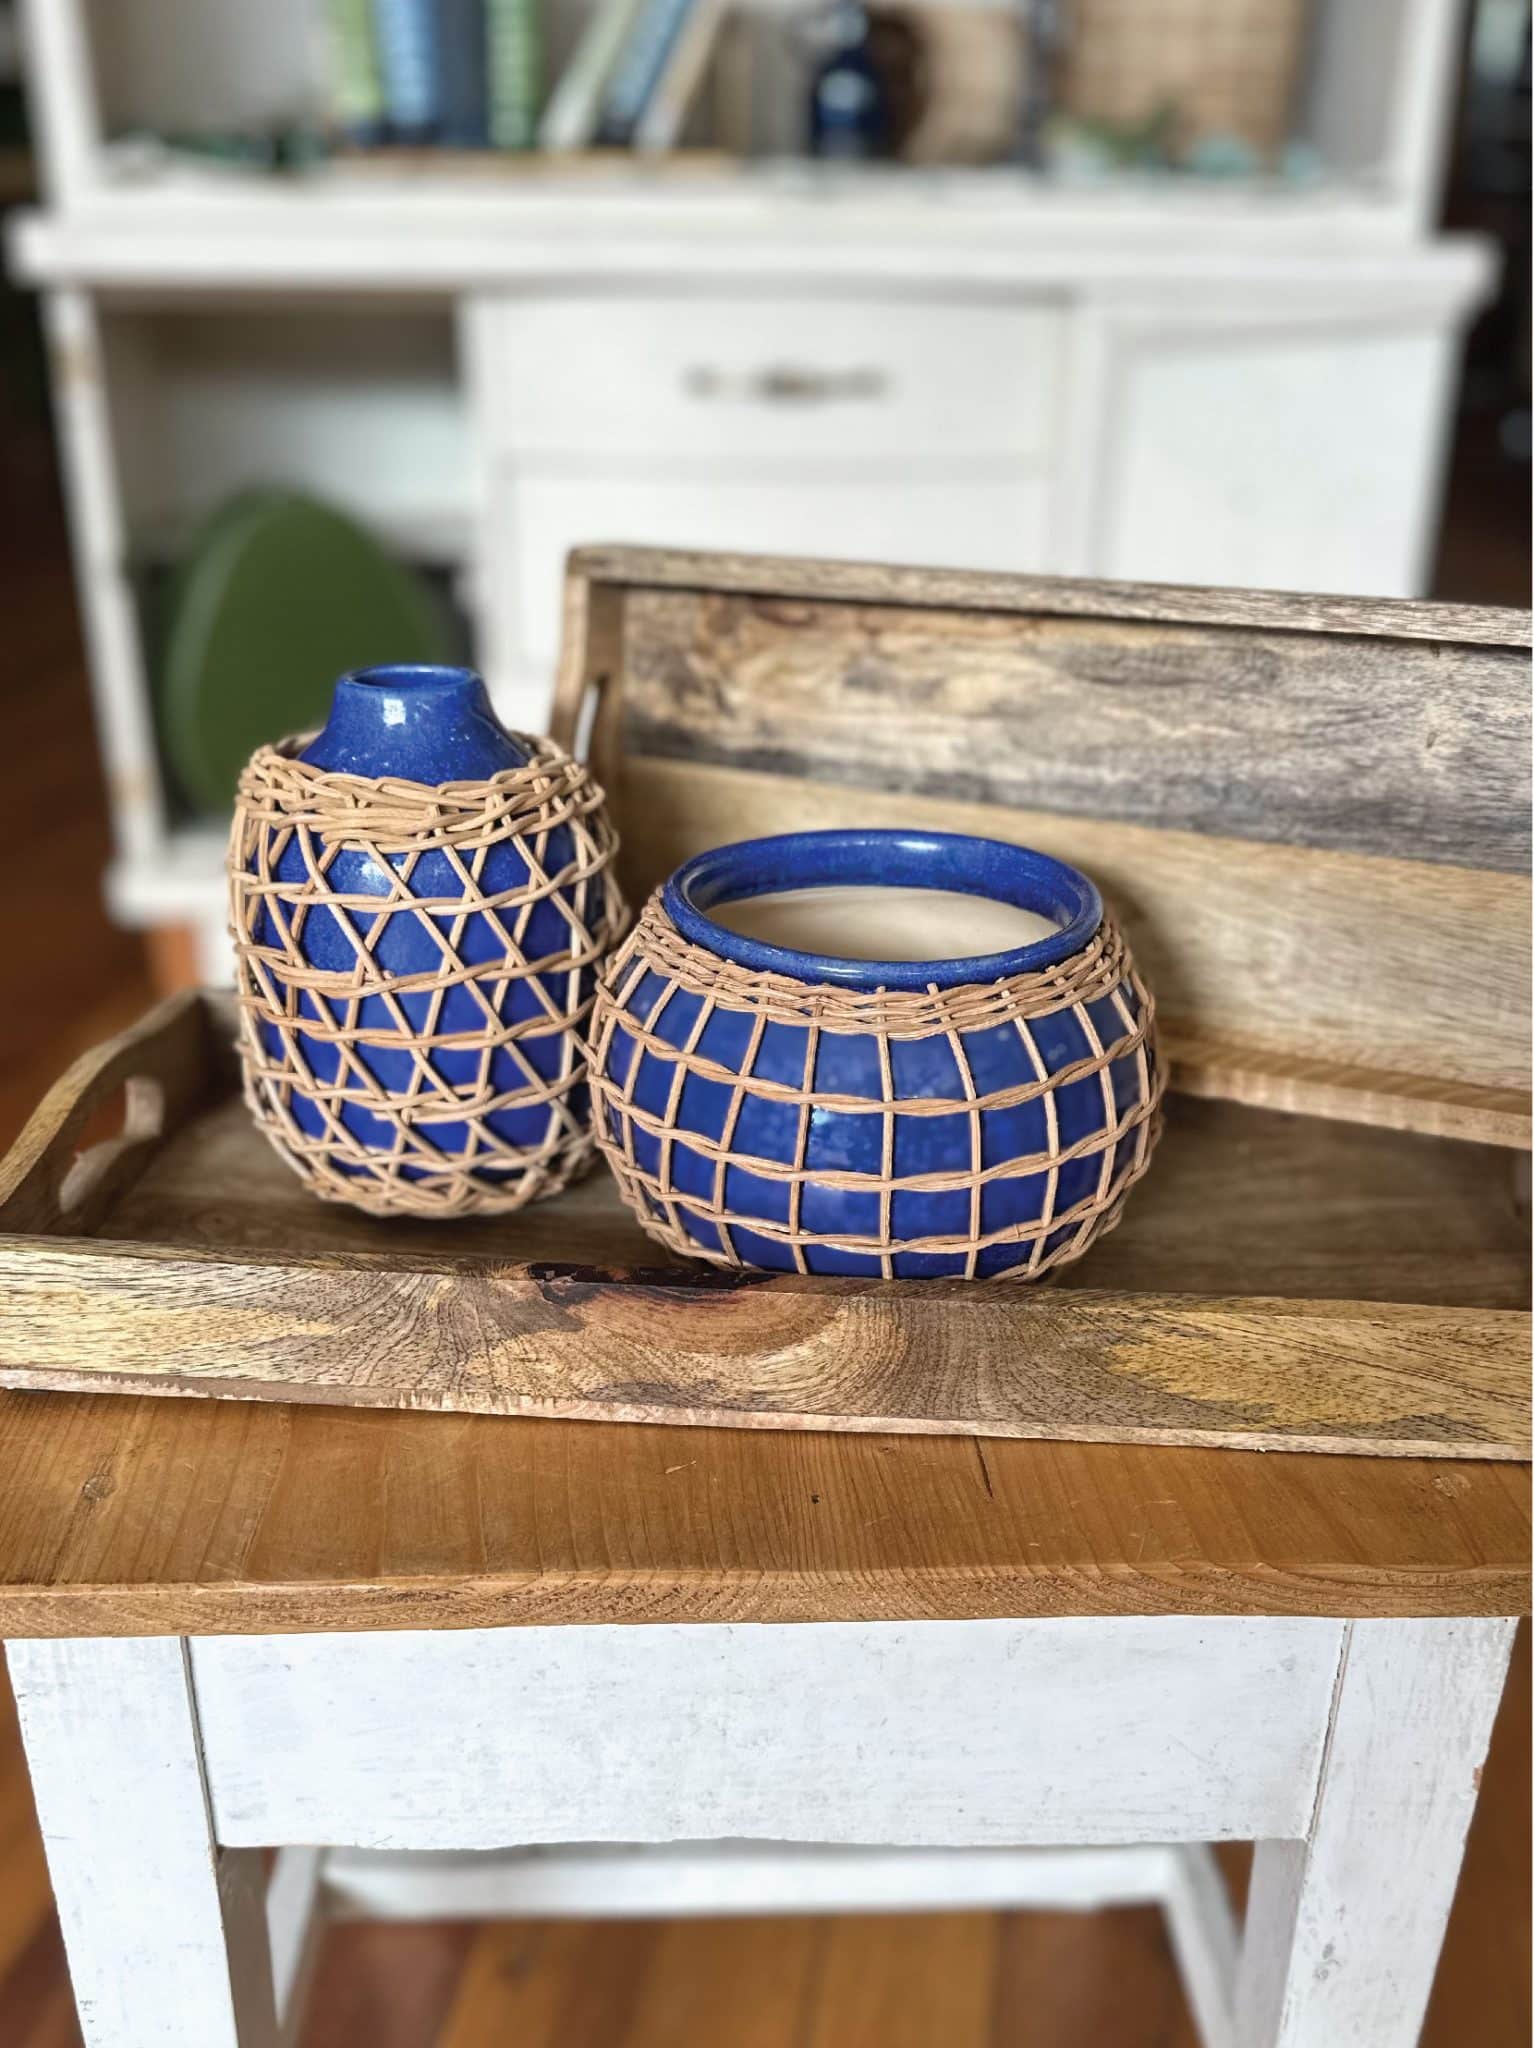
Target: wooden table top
[(126, 1515)]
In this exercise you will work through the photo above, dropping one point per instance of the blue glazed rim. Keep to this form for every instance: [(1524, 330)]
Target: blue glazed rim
[(885, 859)]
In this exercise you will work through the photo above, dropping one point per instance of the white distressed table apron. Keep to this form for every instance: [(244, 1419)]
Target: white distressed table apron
[(818, 1766)]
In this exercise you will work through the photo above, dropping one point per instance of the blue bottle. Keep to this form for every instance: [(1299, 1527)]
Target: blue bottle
[(849, 108)]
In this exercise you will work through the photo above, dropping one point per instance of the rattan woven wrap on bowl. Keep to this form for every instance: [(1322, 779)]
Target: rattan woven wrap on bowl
[(452, 1089), (677, 1034)]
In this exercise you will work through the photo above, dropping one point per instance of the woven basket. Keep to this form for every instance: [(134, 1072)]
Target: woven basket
[(755, 1120), (1226, 67), (413, 966)]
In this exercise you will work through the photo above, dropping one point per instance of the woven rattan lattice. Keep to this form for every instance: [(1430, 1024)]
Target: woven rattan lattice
[(413, 966), (755, 1120)]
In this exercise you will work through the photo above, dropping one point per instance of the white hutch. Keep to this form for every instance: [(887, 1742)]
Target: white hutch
[(1196, 381)]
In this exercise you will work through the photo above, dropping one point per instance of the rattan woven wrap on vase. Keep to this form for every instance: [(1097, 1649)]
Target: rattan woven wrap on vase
[(453, 1089), (717, 1143)]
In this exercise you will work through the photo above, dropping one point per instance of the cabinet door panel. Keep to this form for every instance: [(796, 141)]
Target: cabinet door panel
[(1300, 460)]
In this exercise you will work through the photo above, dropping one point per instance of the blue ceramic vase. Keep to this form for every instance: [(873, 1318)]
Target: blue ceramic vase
[(973, 1117), (422, 902)]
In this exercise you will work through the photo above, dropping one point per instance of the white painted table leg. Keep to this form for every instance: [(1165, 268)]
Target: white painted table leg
[(1205, 1941), (1343, 1929), (166, 1935)]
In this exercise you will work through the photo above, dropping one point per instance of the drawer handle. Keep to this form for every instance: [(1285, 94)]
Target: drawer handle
[(786, 384)]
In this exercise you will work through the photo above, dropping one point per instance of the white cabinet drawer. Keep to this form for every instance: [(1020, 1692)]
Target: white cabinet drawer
[(674, 376), (987, 520)]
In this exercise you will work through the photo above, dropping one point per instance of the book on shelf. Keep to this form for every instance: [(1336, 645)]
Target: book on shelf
[(646, 54), (734, 82), (408, 55), (467, 73), (463, 110), (356, 87), (575, 106), (513, 51), (663, 116)]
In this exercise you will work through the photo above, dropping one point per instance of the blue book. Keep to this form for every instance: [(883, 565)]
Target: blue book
[(406, 33), (463, 108), (640, 68)]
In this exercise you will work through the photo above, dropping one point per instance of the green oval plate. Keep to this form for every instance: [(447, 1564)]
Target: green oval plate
[(276, 597)]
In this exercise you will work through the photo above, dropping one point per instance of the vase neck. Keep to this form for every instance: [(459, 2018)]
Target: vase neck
[(422, 724)]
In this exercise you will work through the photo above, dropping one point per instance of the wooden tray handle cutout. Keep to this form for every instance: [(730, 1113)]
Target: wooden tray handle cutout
[(584, 718), (96, 1168), (74, 1158)]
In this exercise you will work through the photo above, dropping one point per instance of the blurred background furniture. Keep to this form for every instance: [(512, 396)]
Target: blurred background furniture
[(1242, 377)]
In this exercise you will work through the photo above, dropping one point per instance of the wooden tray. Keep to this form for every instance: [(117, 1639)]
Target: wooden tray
[(1311, 814), (1281, 1283)]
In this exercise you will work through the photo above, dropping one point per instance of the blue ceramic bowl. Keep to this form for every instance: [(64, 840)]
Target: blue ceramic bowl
[(966, 1117)]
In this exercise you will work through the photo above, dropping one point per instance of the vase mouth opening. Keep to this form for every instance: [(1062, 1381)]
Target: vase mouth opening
[(421, 677), (952, 862)]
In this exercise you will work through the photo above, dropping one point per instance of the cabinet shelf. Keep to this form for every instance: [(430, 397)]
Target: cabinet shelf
[(378, 233)]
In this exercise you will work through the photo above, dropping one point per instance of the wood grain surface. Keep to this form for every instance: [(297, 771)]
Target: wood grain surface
[(125, 1516), (813, 579), (1310, 812), (771, 1352), (1409, 975), (1266, 1078), (1397, 746), (490, 1327), (1238, 1202), (160, 1067)]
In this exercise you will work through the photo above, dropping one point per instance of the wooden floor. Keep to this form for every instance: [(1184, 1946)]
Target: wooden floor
[(1035, 1980)]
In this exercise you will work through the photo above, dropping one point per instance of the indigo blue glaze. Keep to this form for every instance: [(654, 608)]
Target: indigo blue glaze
[(848, 1064), (893, 860), (424, 724), (429, 725), (849, 104)]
